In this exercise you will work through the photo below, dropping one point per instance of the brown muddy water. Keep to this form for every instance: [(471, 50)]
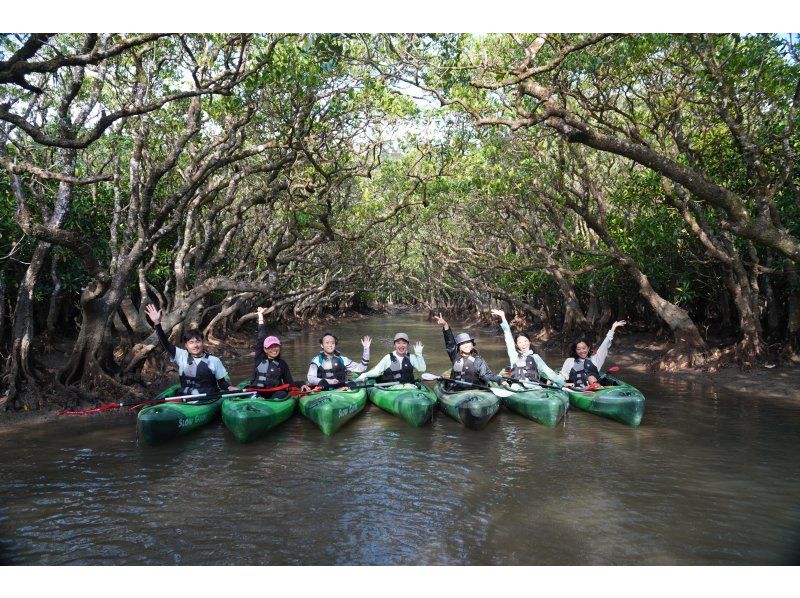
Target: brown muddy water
[(709, 478)]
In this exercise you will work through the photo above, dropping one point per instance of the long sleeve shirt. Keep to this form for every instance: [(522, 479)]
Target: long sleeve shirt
[(482, 369), (598, 359), (512, 351), (350, 365), (417, 361)]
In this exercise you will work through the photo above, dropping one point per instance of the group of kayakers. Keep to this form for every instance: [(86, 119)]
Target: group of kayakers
[(203, 373)]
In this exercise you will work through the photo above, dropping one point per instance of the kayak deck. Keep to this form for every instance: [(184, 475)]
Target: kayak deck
[(414, 403), (471, 407), (544, 405), (331, 409), (163, 422), (617, 400)]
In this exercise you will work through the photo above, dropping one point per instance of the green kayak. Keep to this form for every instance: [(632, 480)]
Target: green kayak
[(472, 407), (617, 400), (413, 402), (331, 409), (250, 417), (544, 405), (162, 422)]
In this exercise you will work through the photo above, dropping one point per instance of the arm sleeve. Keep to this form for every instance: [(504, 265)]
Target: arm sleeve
[(510, 348), (566, 368), (418, 361), (352, 366), (450, 344), (312, 376), (548, 373), (599, 358), (259, 351), (162, 338), (380, 368)]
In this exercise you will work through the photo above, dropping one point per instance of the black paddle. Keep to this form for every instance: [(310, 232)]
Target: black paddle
[(498, 392)]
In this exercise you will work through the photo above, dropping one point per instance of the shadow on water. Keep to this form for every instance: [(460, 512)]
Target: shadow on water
[(708, 478)]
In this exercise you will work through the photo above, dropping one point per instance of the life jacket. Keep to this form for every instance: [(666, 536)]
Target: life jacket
[(465, 368), (400, 371), (198, 376), (525, 368), (581, 370), (267, 373), (335, 369)]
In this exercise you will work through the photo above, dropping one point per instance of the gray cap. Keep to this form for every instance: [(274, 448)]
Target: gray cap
[(401, 335), (463, 337)]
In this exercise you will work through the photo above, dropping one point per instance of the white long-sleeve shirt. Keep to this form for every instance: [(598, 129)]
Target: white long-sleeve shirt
[(512, 351), (598, 359), (416, 359), (349, 364)]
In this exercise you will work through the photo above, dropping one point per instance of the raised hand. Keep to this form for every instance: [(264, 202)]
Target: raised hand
[(617, 324), (418, 348), (499, 313), (366, 342), (441, 321), (153, 313), (260, 311)]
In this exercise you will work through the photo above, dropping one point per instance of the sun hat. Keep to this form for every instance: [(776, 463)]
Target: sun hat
[(401, 336), (463, 337)]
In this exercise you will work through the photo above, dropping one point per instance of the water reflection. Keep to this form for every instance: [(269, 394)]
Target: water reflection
[(709, 478)]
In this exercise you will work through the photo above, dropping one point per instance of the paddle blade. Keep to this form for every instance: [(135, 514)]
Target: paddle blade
[(614, 368), (429, 377), (501, 392)]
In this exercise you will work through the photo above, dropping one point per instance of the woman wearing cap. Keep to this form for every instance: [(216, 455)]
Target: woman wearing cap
[(398, 366), (468, 366), (270, 370), (329, 368), (579, 369), (525, 365)]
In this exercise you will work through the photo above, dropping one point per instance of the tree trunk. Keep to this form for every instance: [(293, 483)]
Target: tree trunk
[(19, 367), (690, 348), (793, 308), (2, 309), (54, 309)]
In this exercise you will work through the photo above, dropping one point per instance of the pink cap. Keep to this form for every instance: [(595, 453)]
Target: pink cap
[(271, 340)]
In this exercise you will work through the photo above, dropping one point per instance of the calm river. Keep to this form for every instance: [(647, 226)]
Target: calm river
[(709, 478)]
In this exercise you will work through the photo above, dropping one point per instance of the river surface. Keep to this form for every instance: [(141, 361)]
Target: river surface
[(709, 478)]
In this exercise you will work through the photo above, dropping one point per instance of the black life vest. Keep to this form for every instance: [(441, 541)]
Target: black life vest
[(335, 367), (267, 373), (400, 371), (198, 376), (581, 370), (465, 368), (525, 368)]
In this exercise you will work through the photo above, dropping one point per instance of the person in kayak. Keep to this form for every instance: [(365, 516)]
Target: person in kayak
[(579, 369), (199, 371), (398, 366), (468, 365), (525, 364), (269, 369), (329, 368)]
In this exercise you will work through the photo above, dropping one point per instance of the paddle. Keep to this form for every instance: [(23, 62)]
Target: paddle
[(269, 390), (498, 392), (524, 382), (199, 399)]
